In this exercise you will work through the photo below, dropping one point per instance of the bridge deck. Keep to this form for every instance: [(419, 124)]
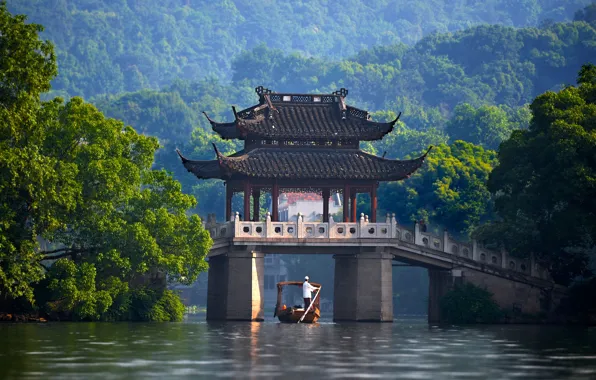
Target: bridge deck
[(411, 246)]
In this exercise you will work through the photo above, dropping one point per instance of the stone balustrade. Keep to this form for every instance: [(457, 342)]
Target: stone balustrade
[(389, 229)]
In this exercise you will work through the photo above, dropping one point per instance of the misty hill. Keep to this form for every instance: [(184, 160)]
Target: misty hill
[(111, 46), (483, 65)]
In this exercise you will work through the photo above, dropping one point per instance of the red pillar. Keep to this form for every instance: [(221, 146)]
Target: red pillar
[(346, 203), (229, 195), (256, 195), (373, 203), (353, 199), (274, 202), (246, 215), (326, 195)]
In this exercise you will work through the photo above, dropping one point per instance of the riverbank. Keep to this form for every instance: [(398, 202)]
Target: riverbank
[(16, 317)]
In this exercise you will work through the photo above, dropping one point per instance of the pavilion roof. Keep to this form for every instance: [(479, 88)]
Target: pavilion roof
[(275, 163), (302, 117)]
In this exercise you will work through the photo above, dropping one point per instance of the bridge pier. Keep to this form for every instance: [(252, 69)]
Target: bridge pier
[(440, 282), (363, 287), (235, 289)]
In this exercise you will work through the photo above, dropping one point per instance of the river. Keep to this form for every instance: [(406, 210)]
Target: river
[(405, 349)]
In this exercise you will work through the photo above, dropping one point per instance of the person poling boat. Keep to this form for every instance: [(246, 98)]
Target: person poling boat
[(310, 313), (307, 290)]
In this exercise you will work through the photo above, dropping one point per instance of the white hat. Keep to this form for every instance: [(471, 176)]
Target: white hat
[(306, 277)]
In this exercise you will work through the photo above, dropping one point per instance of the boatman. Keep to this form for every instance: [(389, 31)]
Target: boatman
[(307, 289)]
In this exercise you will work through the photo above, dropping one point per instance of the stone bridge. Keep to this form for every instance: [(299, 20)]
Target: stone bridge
[(363, 254)]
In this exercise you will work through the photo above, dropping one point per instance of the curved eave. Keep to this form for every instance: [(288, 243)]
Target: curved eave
[(403, 169), (264, 128), (318, 164), (203, 169), (378, 130), (371, 130), (227, 131)]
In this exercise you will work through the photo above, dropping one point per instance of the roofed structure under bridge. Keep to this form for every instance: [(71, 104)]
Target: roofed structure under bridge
[(306, 143)]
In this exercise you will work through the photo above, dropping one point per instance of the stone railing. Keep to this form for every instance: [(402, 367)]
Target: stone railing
[(364, 229), (311, 230)]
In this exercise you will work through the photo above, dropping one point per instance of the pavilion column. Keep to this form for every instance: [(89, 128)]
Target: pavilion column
[(326, 194), (274, 202), (229, 195), (353, 198), (373, 203), (256, 195), (346, 203), (246, 216)]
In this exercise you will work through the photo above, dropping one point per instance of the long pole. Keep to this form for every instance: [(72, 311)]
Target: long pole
[(309, 306)]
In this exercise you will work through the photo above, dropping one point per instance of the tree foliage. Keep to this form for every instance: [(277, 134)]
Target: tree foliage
[(468, 303), (79, 202), (545, 182), (122, 46), (449, 190), (485, 125), (18, 45)]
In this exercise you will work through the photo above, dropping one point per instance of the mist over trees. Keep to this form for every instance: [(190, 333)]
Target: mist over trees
[(128, 45)]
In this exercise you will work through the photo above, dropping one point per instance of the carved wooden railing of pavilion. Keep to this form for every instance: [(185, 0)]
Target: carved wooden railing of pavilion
[(364, 229)]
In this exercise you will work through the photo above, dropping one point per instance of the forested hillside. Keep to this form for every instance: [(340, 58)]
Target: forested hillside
[(473, 85), (111, 46)]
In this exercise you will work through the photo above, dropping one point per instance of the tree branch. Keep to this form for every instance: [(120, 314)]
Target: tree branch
[(65, 252)]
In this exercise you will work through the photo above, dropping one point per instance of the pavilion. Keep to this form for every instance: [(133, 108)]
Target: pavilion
[(302, 143)]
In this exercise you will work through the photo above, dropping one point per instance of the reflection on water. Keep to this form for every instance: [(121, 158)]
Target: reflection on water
[(403, 350)]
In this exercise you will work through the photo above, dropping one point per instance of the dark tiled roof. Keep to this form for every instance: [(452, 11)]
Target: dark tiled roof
[(295, 116), (316, 164), (203, 169)]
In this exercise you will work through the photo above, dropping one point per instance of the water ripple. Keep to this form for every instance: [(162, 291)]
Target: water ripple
[(405, 350)]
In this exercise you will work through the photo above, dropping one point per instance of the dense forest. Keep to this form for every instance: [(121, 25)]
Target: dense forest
[(445, 95), (111, 46), (474, 78)]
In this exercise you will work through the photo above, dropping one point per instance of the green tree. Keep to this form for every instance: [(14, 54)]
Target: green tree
[(545, 182), (486, 125), (79, 203), (210, 194), (448, 191), (468, 303), (588, 14), (27, 64)]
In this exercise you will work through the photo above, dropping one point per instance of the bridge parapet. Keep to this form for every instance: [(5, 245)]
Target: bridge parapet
[(390, 229)]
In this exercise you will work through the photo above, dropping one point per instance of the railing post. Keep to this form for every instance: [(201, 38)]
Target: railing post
[(268, 228), (393, 226), (417, 236), (299, 232), (475, 253), (237, 224), (446, 243), (503, 258), (361, 225)]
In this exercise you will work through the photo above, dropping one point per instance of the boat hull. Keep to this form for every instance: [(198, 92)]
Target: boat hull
[(292, 315)]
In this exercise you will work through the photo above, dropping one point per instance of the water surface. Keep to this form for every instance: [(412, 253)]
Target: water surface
[(405, 349)]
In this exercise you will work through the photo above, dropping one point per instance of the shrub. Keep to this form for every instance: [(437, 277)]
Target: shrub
[(468, 303), (156, 306), (579, 303)]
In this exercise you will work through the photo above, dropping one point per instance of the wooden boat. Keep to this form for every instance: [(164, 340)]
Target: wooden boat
[(293, 314)]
